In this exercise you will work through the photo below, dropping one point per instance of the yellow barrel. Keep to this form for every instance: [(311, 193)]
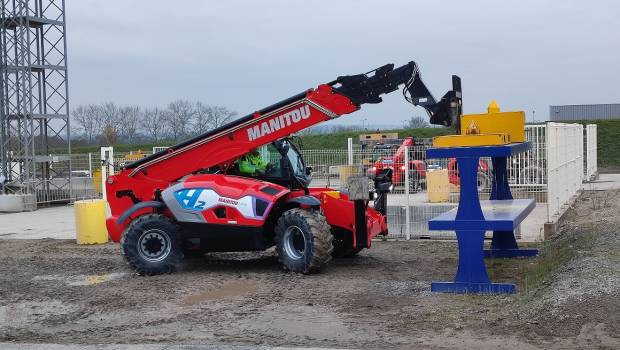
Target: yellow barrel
[(438, 186), (90, 218), (345, 172), (96, 179)]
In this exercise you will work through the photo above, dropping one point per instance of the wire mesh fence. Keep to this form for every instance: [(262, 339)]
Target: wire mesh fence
[(591, 150), (423, 188)]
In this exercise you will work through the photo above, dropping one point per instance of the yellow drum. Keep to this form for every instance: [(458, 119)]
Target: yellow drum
[(90, 218), (438, 186), (345, 172)]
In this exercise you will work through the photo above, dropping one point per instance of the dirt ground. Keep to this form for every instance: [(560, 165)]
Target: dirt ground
[(54, 291)]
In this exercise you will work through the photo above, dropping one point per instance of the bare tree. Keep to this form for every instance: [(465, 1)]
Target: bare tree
[(211, 117), (86, 118), (130, 117), (202, 121), (178, 117), (154, 122), (219, 115), (416, 122), (110, 116)]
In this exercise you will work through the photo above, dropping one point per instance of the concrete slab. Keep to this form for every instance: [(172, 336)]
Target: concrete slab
[(532, 229), (55, 222), (603, 182)]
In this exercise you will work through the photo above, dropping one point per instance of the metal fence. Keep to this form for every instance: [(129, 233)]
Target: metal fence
[(564, 165), (591, 152), (425, 188), (551, 173)]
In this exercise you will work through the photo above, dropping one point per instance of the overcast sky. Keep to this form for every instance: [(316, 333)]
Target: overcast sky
[(246, 55)]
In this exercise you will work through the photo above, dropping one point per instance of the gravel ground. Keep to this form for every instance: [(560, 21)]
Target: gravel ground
[(53, 291)]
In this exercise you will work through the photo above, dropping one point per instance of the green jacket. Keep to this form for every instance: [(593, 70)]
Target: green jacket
[(251, 164)]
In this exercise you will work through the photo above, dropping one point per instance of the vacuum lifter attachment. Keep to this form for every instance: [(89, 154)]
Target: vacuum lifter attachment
[(367, 88)]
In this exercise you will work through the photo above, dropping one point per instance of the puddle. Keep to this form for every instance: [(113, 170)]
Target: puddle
[(228, 290), (301, 321), (81, 280)]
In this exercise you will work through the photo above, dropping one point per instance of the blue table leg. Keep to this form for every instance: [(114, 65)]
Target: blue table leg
[(471, 276), (504, 243)]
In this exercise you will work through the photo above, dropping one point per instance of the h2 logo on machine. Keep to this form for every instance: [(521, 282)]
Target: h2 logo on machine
[(189, 199)]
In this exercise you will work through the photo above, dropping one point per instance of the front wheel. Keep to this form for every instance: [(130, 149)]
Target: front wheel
[(152, 245), (303, 241)]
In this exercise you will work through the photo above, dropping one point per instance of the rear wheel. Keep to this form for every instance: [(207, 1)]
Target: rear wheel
[(415, 182), (303, 241), (152, 245)]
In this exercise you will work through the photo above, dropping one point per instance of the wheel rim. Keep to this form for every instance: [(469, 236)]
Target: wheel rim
[(154, 245), (294, 242)]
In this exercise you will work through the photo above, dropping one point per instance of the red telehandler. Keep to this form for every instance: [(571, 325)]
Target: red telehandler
[(193, 197)]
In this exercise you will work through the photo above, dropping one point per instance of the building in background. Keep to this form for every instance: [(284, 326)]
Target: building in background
[(584, 112)]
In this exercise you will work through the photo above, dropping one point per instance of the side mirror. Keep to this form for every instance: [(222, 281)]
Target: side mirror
[(308, 170)]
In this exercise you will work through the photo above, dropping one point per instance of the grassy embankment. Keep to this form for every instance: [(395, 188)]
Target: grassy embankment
[(608, 141)]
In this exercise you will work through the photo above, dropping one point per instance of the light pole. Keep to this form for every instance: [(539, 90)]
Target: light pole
[(534, 116)]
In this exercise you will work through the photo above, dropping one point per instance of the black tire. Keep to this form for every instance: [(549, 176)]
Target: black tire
[(415, 183), (303, 241), (483, 181), (152, 245)]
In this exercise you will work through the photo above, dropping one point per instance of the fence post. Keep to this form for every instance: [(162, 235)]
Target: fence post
[(350, 150), (550, 179), (107, 167), (407, 193), (90, 164)]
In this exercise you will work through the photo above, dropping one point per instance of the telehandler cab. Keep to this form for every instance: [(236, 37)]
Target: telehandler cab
[(194, 196)]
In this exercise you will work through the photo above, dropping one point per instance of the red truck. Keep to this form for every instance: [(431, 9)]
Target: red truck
[(418, 166)]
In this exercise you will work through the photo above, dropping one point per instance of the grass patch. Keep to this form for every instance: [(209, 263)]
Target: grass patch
[(555, 253), (534, 274), (314, 141), (608, 142), (339, 140)]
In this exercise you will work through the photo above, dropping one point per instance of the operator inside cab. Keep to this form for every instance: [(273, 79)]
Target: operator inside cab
[(252, 164)]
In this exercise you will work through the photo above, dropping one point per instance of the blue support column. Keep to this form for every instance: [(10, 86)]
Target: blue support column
[(471, 276), (504, 243)]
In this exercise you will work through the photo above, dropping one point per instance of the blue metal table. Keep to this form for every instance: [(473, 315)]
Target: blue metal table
[(501, 214)]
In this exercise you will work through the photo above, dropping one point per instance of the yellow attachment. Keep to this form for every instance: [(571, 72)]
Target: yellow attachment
[(333, 194), (510, 123), (90, 216), (487, 129), (470, 140), (493, 107)]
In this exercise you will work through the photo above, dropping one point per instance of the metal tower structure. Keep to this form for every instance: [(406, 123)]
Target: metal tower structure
[(35, 134)]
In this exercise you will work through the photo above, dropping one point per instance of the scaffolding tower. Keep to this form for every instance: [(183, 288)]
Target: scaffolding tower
[(35, 144)]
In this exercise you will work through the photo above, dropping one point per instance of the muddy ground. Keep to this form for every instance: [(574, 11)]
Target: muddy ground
[(54, 291)]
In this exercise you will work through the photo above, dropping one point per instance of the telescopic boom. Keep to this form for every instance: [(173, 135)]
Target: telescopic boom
[(342, 96)]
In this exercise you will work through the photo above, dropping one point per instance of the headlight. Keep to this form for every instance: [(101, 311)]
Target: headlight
[(374, 168), (375, 195), (402, 167), (391, 187)]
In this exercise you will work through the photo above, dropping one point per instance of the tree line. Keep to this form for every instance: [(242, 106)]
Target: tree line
[(108, 123)]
